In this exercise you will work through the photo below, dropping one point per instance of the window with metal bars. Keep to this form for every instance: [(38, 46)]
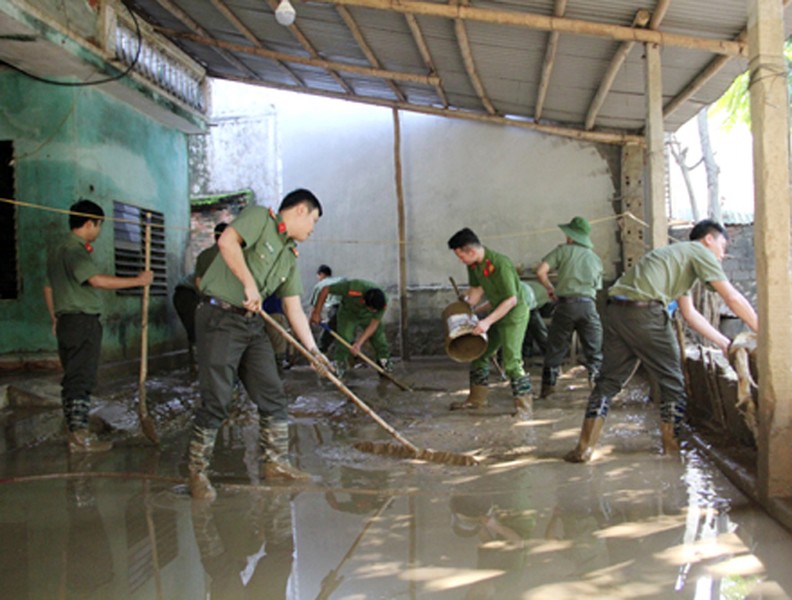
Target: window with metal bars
[(9, 267), (129, 229)]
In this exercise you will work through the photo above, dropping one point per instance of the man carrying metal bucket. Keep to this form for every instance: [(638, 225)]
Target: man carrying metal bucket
[(493, 275)]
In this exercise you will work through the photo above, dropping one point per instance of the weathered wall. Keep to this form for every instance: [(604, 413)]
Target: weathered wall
[(240, 151), (510, 185), (80, 142)]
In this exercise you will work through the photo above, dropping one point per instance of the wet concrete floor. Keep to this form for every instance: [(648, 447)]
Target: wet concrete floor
[(522, 524)]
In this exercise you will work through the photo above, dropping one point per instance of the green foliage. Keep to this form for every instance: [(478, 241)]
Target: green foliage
[(735, 103)]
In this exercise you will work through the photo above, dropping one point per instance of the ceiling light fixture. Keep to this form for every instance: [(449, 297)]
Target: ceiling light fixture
[(285, 13)]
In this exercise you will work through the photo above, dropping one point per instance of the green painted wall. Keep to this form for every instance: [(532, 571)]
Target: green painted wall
[(80, 142)]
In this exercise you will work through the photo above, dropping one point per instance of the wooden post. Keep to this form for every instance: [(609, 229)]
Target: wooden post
[(633, 234), (655, 157), (770, 124), (397, 168)]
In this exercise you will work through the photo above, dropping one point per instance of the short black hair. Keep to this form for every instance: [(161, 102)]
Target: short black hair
[(86, 207), (374, 298), (300, 196), (463, 237), (325, 270), (707, 226), (219, 229)]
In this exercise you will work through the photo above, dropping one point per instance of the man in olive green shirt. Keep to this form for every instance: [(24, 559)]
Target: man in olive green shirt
[(579, 277), (638, 327), (185, 296), (493, 275), (536, 331), (258, 257), (362, 306), (70, 292)]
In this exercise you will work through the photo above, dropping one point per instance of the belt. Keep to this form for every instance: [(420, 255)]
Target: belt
[(634, 303), (222, 304), (568, 299)]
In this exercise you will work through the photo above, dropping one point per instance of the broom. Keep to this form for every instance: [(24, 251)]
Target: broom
[(405, 448), (365, 358), (146, 422)]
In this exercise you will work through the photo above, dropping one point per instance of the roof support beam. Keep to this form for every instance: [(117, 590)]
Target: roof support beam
[(641, 19), (309, 48), (470, 64), (549, 61), (223, 8), (658, 220), (545, 23), (700, 80), (365, 48), (196, 28), (420, 41), (302, 60), (568, 132)]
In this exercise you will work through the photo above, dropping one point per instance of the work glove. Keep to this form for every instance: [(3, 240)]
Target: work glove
[(321, 364)]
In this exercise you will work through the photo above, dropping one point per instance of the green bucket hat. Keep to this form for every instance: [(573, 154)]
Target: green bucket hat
[(578, 229)]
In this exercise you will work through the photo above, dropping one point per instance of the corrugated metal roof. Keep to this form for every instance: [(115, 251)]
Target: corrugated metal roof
[(507, 59)]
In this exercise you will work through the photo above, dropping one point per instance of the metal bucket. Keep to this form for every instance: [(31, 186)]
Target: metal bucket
[(461, 344)]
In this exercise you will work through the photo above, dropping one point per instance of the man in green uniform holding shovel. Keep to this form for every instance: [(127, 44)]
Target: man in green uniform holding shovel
[(362, 306), (493, 275), (638, 326), (70, 292), (258, 257), (575, 293)]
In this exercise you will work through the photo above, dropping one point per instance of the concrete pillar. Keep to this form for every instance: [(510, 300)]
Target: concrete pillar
[(633, 234), (655, 157), (770, 124)]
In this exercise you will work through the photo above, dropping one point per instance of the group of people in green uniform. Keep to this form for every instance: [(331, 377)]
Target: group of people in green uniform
[(256, 256), (637, 324)]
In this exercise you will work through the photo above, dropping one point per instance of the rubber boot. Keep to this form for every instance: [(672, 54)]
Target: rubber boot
[(274, 441), (386, 364), (80, 439), (593, 373), (477, 398), (549, 378), (200, 454), (669, 439), (589, 435), (523, 398), (83, 440)]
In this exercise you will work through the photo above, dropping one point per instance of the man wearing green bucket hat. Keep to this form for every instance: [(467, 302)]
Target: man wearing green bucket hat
[(579, 277), (493, 274)]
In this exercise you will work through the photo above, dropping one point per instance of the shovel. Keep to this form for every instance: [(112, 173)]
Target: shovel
[(405, 449), (146, 422), (365, 358)]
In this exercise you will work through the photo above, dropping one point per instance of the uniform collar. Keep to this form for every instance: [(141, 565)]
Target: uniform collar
[(280, 227)]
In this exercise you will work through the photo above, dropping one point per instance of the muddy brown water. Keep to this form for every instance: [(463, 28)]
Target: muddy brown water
[(523, 524)]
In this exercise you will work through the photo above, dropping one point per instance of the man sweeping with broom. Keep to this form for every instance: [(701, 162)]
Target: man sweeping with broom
[(258, 257)]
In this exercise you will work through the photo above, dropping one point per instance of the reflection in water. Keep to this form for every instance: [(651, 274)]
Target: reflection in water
[(246, 555), (88, 562), (501, 527)]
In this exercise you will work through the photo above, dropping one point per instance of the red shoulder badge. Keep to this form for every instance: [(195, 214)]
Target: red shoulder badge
[(489, 268)]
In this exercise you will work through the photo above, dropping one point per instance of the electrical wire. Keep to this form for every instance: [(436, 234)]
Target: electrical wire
[(121, 75)]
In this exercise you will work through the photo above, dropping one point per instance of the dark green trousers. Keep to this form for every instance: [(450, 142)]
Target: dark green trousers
[(79, 346), (231, 345), (569, 317), (633, 333)]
